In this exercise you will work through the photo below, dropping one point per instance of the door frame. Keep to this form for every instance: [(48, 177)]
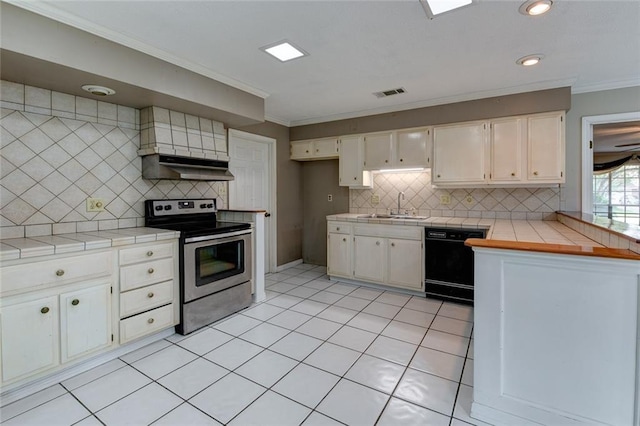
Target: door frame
[(271, 223), (587, 152)]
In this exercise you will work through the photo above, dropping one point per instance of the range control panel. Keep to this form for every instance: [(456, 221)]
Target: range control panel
[(179, 207)]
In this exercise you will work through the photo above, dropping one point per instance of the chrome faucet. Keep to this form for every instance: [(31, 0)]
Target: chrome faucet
[(400, 194)]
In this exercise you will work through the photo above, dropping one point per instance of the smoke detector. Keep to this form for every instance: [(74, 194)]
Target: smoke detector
[(389, 92), (98, 90)]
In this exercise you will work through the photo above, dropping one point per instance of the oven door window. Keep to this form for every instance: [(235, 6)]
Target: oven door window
[(219, 261)]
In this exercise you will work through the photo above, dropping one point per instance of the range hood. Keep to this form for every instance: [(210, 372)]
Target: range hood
[(159, 166)]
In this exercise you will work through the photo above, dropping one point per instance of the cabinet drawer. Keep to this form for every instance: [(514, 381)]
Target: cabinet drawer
[(339, 228), (53, 272), (140, 254), (392, 231), (142, 274), (146, 323), (143, 299)]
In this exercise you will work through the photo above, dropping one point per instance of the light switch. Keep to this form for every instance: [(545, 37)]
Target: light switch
[(375, 199), (95, 205)]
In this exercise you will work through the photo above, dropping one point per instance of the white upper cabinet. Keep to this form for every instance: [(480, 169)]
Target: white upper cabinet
[(378, 151), (546, 147), (505, 146), (401, 149), (459, 154), (351, 166), (316, 149)]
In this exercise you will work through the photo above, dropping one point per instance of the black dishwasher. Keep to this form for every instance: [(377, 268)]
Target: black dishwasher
[(449, 263)]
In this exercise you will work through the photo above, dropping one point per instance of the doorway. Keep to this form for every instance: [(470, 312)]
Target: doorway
[(588, 124), (254, 187)]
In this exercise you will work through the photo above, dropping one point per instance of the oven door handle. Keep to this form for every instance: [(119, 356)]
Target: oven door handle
[(217, 237)]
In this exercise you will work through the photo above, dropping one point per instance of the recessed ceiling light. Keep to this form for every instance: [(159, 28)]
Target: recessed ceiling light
[(535, 7), (284, 51), (98, 90), (529, 60), (436, 7)]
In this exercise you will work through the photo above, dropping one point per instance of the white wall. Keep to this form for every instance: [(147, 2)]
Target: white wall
[(583, 105)]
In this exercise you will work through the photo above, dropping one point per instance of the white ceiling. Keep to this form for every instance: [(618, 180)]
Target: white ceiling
[(360, 47)]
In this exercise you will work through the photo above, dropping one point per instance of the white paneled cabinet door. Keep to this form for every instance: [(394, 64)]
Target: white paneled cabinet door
[(413, 148), (29, 337), (506, 150), (546, 148), (369, 258), (405, 263), (85, 321), (301, 149), (351, 172), (325, 148), (378, 151), (459, 153), (339, 254)]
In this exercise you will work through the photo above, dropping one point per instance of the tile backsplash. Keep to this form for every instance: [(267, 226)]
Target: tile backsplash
[(422, 199), (56, 150)]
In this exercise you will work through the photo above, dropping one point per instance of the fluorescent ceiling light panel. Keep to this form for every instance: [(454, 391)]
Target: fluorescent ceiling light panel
[(437, 7), (284, 51)]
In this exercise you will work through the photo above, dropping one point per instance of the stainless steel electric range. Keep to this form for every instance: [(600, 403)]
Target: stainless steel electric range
[(215, 259)]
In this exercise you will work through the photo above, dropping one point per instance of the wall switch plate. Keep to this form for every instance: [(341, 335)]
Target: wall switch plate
[(95, 205), (445, 200), (375, 199), (468, 199), (330, 197)]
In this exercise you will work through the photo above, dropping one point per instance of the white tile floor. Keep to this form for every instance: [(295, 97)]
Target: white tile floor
[(316, 352)]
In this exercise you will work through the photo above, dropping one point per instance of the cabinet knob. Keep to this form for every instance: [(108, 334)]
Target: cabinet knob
[(344, 239), (150, 270), (401, 160), (149, 253), (513, 174), (317, 150), (60, 272), (338, 228), (535, 173), (150, 295), (150, 320), (438, 175), (386, 161), (307, 151), (44, 310), (355, 178), (75, 302), (393, 244), (377, 243)]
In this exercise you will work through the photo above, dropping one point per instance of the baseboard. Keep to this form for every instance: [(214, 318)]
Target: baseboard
[(280, 268)]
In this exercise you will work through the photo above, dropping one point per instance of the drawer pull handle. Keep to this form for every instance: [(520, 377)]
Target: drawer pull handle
[(75, 302), (150, 320), (150, 270), (60, 272), (44, 310), (377, 243), (150, 295), (149, 253)]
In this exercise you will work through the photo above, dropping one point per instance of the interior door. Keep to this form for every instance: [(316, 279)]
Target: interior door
[(251, 164)]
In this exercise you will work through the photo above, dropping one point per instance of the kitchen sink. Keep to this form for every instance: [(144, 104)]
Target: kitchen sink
[(392, 216)]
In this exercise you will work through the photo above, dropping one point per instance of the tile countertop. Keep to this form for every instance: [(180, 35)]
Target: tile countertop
[(526, 235), (622, 229), (18, 248)]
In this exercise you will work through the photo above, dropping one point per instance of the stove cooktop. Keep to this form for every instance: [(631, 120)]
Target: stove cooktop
[(200, 229)]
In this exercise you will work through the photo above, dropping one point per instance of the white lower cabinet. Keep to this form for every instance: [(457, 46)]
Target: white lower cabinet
[(29, 337), (391, 255), (85, 321)]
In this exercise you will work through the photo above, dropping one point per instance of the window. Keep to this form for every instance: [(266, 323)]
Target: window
[(616, 194)]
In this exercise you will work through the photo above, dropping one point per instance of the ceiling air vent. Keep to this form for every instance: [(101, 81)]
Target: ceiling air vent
[(390, 92)]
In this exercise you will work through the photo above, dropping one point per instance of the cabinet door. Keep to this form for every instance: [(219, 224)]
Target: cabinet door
[(412, 149), (405, 263), (325, 148), (301, 149), (506, 150), (29, 337), (369, 258), (85, 321), (459, 154), (351, 172), (339, 255), (545, 140), (378, 151)]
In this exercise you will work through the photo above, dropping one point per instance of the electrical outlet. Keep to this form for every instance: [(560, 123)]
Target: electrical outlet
[(468, 199), (375, 199), (222, 190), (330, 197), (95, 205), (445, 200)]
